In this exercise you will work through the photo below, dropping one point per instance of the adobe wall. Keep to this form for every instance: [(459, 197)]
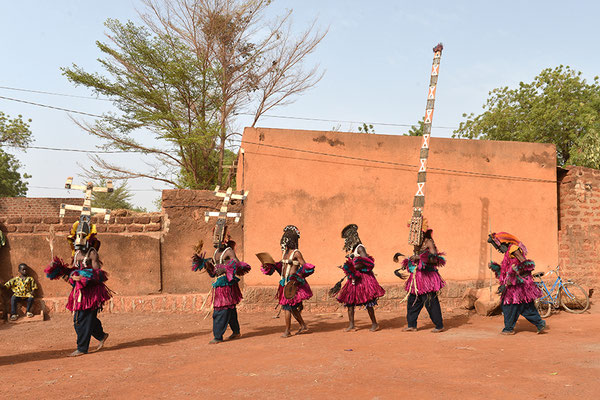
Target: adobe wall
[(36, 206), (322, 181), (579, 228), (130, 249), (184, 227)]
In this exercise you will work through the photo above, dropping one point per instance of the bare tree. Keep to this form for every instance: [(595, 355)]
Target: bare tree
[(259, 63)]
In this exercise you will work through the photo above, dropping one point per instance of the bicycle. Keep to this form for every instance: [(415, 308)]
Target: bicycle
[(568, 295)]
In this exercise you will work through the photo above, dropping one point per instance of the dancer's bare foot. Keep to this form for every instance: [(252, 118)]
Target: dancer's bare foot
[(215, 341), (437, 330), (234, 336), (286, 334), (303, 329), (76, 353), (410, 329), (351, 328), (374, 327)]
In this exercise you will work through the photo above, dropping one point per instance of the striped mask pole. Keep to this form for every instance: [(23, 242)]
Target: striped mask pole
[(416, 223)]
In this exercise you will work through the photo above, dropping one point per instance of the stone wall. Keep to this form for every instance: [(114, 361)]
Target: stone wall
[(579, 226)]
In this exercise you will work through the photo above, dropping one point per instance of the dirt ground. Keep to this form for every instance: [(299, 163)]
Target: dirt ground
[(168, 356)]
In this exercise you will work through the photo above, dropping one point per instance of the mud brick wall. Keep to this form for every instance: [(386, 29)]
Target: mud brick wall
[(35, 207), (130, 248), (184, 227), (579, 225)]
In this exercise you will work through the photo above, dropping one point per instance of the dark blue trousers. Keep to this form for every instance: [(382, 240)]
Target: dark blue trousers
[(86, 325), (13, 304), (222, 318), (415, 304), (512, 311)]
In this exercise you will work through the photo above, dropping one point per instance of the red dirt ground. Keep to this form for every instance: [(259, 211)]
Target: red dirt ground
[(167, 356)]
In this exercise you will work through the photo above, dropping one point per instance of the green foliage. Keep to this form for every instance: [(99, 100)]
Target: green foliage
[(416, 130), (558, 107), (120, 198), (12, 183), (366, 128), (158, 84), (13, 132)]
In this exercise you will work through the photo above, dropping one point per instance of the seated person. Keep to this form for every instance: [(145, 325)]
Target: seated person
[(22, 287)]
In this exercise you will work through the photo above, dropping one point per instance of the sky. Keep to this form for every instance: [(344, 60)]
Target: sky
[(376, 56)]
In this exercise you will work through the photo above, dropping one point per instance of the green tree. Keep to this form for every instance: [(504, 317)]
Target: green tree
[(14, 132), (416, 130), (119, 198), (185, 74), (558, 107), (161, 87)]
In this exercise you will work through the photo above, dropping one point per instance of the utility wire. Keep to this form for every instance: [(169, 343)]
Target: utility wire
[(345, 121), (130, 190), (247, 114), (72, 150), (447, 170), (411, 166), (53, 94), (52, 107)]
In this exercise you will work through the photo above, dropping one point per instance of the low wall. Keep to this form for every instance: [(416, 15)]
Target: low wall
[(579, 227), (130, 250)]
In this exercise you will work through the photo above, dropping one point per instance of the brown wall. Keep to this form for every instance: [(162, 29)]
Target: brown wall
[(36, 206), (150, 253), (130, 249), (370, 180), (579, 228), (184, 227)]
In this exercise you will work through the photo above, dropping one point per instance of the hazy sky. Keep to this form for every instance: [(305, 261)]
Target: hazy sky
[(377, 59)]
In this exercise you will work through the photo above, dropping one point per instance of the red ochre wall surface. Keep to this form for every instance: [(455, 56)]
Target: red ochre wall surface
[(322, 181)]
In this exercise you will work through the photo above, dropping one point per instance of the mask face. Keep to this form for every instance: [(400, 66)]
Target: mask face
[(219, 233), (83, 230)]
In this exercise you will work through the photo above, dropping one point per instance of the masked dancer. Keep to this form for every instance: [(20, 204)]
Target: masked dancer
[(424, 281), (225, 268), (517, 288), (361, 287), (89, 292), (293, 288)]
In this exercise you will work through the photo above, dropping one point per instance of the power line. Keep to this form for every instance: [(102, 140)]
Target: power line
[(130, 190), (412, 166), (53, 93), (72, 150), (51, 107), (247, 114), (345, 121)]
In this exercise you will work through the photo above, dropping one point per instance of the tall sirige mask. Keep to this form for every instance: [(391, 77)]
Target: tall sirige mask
[(290, 237), (350, 236)]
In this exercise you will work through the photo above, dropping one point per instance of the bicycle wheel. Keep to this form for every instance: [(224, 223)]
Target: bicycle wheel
[(573, 298), (544, 305)]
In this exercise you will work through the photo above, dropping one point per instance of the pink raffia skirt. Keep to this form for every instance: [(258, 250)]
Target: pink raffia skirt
[(92, 297), (227, 296), (523, 293), (304, 293), (365, 291), (427, 282)]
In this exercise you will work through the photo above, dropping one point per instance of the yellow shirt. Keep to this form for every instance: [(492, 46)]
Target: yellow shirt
[(22, 287)]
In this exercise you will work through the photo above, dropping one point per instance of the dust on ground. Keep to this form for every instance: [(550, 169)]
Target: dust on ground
[(167, 355)]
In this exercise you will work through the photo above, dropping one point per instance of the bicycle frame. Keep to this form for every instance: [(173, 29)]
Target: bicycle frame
[(557, 285)]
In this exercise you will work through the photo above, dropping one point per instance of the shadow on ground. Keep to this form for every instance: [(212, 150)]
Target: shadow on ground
[(63, 353)]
